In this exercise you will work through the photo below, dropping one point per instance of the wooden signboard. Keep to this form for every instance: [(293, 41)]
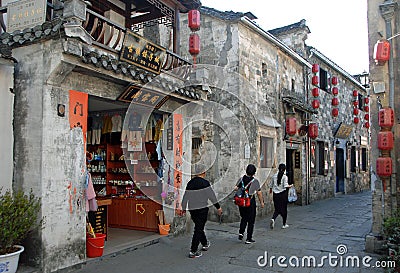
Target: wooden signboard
[(142, 53), (98, 220)]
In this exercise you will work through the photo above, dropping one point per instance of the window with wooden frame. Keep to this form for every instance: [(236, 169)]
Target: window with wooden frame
[(267, 152)]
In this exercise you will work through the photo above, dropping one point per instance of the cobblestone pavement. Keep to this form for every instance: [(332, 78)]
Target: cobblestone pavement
[(324, 228)]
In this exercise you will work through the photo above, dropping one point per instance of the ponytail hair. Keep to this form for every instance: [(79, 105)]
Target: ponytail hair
[(281, 168)]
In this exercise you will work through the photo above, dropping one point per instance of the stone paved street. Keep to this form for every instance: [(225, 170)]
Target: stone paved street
[(315, 230)]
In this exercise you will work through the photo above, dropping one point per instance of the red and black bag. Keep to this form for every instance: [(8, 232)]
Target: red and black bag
[(242, 197)]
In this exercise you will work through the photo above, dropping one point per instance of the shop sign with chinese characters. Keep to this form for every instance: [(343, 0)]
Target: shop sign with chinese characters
[(142, 53), (25, 14), (143, 96)]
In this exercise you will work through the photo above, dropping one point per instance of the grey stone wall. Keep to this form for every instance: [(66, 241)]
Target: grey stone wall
[(6, 112)]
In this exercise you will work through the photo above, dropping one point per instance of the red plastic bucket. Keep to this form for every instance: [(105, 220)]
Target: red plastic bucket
[(95, 246)]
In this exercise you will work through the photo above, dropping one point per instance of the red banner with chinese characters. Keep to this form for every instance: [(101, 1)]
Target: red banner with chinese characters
[(78, 112), (178, 129)]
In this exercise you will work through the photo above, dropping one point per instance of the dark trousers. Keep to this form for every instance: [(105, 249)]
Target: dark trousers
[(280, 204), (199, 218), (248, 218)]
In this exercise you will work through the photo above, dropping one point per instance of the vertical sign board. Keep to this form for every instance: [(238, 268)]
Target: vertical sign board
[(24, 14), (98, 219), (178, 130), (78, 111)]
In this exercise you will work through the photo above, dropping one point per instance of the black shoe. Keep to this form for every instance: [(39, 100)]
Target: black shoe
[(240, 237), (196, 254), (206, 247), (250, 241)]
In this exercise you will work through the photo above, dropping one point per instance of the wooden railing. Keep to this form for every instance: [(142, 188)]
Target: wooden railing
[(3, 13), (109, 34)]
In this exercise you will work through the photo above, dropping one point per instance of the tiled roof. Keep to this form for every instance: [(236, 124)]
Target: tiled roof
[(299, 25), (226, 15)]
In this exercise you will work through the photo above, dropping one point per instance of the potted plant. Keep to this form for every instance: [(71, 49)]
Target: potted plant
[(19, 215), (391, 228)]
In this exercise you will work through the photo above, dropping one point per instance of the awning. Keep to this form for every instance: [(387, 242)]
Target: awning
[(269, 122)]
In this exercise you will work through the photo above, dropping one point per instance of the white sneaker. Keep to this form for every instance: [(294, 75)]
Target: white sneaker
[(285, 226), (272, 223)]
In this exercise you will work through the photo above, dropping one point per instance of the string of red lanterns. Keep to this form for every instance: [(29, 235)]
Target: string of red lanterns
[(313, 127), (335, 100), (194, 38), (366, 110), (385, 144), (356, 119)]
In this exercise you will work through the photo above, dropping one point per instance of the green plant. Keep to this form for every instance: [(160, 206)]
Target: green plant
[(19, 215), (391, 229)]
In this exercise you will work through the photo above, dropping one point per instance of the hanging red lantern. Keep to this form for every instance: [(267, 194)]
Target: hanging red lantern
[(194, 44), (356, 120), (366, 100), (381, 52), (335, 112), (315, 68), (385, 140), (384, 166), (335, 80), (367, 125), (313, 130), (386, 117), (335, 101), (335, 91), (291, 126), (366, 108), (315, 80), (355, 111), (355, 103), (194, 19), (366, 116), (355, 93), (315, 104), (315, 92)]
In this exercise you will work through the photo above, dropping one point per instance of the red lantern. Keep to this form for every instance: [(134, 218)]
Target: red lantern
[(194, 19), (355, 93), (335, 101), (381, 52), (355, 103), (366, 100), (315, 104), (335, 91), (315, 80), (367, 125), (335, 112), (313, 130), (315, 92), (385, 140), (194, 44), (356, 120), (291, 126), (355, 111), (384, 166), (386, 117), (366, 116), (335, 80), (366, 108), (315, 68)]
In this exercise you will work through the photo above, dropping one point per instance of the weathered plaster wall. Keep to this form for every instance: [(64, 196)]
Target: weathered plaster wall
[(49, 158), (6, 114)]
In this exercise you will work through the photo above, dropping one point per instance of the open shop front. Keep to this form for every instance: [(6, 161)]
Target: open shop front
[(126, 169)]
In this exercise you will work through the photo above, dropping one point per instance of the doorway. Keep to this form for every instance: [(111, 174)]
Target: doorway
[(289, 166), (340, 170)]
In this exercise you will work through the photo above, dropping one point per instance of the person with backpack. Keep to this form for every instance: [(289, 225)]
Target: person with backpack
[(278, 186), (248, 214)]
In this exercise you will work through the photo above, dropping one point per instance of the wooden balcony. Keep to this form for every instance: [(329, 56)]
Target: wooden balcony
[(105, 34)]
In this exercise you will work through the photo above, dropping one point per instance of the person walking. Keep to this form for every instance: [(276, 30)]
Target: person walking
[(278, 186), (198, 192), (248, 214)]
